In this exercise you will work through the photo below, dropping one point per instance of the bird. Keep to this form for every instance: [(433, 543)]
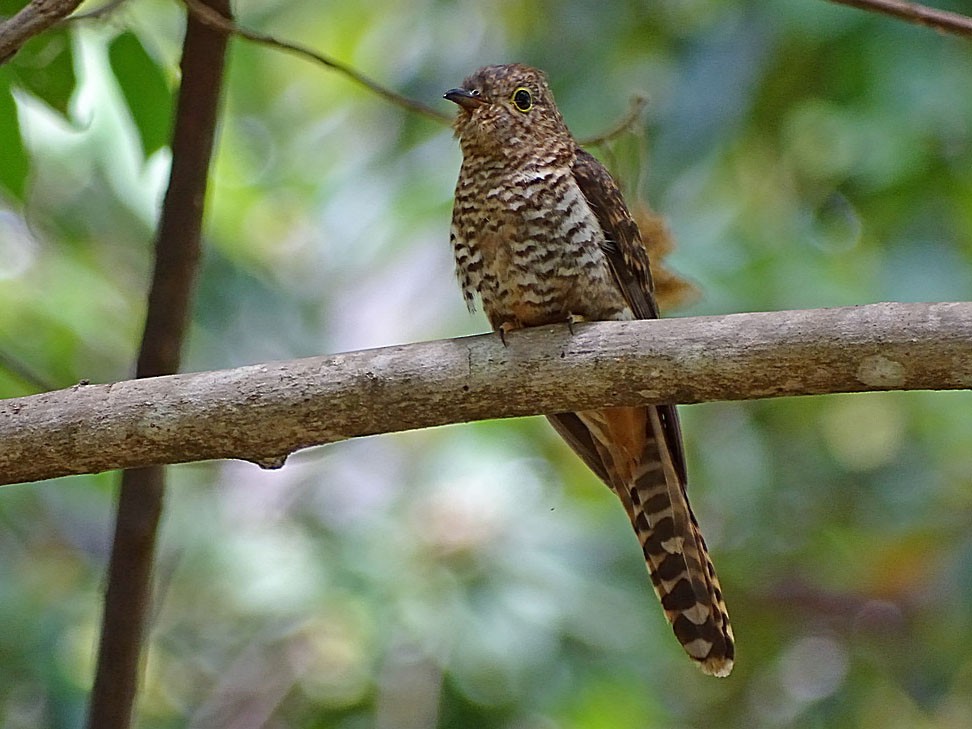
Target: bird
[(541, 235)]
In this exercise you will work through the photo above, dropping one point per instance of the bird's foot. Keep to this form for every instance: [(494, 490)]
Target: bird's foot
[(573, 319), (505, 328)]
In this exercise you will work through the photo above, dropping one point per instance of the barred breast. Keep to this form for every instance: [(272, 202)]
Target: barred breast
[(529, 244)]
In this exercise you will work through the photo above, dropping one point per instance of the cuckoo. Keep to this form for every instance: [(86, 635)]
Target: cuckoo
[(542, 235)]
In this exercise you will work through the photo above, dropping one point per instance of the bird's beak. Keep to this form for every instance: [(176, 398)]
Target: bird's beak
[(466, 99)]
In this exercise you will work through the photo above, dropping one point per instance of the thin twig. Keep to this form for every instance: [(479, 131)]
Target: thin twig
[(25, 372), (941, 20), (97, 13), (34, 18), (636, 106), (214, 20)]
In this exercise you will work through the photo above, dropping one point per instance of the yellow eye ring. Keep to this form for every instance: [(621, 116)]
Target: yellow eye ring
[(522, 99)]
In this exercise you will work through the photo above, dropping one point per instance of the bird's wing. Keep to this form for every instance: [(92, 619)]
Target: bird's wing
[(629, 263), (622, 244)]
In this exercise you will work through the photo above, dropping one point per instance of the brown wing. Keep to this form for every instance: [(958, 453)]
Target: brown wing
[(629, 263), (623, 244)]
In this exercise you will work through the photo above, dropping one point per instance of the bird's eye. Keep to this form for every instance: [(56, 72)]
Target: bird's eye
[(523, 99)]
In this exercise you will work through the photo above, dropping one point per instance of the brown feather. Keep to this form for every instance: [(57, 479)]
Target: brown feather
[(542, 234)]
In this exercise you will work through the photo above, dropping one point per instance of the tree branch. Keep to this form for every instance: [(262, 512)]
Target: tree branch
[(941, 20), (263, 412), (177, 249), (624, 124), (34, 18), (25, 372), (219, 22), (98, 13)]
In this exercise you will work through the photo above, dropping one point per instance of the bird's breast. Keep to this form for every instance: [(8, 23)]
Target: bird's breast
[(529, 244)]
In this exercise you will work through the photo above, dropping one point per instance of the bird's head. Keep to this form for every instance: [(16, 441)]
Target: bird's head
[(505, 109)]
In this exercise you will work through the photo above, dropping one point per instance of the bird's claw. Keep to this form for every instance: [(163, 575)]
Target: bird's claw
[(504, 329), (571, 320)]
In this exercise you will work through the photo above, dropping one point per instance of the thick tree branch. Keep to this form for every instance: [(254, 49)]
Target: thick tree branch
[(263, 412), (36, 17), (941, 20), (177, 249)]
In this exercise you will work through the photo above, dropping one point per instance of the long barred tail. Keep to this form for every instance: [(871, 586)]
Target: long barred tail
[(681, 570), (633, 455)]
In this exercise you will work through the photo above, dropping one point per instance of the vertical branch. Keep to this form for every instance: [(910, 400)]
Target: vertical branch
[(177, 247)]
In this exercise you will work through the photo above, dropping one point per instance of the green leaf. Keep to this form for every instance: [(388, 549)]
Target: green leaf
[(14, 163), (146, 91), (45, 68)]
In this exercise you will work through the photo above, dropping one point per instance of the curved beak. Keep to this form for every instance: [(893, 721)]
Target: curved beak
[(466, 99)]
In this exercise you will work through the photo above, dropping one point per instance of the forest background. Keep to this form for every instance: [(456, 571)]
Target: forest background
[(804, 155)]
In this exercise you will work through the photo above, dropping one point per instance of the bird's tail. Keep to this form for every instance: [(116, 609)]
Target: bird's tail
[(640, 463)]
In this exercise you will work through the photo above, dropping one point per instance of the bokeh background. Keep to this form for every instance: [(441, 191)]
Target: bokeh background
[(804, 154)]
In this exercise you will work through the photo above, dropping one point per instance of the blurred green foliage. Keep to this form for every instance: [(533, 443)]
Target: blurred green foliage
[(805, 154)]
